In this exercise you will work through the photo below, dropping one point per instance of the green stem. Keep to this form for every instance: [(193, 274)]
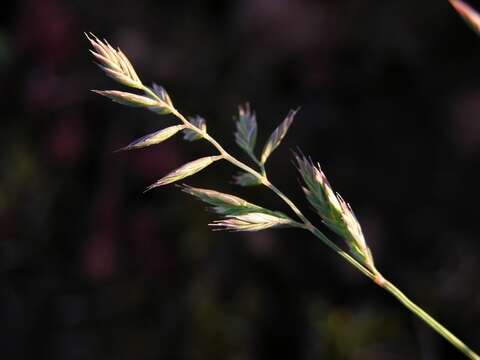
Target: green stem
[(372, 274), (434, 324)]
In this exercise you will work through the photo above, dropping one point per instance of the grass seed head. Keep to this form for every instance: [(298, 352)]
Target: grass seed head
[(246, 134), (277, 136), (114, 62), (128, 99), (185, 171), (154, 138), (333, 210), (225, 204), (252, 222)]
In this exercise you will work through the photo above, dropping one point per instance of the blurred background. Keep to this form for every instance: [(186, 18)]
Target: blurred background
[(91, 268)]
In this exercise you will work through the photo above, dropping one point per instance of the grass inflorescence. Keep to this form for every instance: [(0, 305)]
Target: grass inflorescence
[(236, 213)]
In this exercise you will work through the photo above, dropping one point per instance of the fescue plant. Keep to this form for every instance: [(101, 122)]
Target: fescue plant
[(238, 214)]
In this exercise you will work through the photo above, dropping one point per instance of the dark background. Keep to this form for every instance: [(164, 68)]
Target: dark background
[(91, 268)]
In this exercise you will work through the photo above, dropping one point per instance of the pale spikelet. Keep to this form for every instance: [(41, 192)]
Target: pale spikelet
[(114, 62), (154, 138), (185, 171), (252, 222), (240, 214), (471, 17), (277, 136), (223, 204), (246, 179), (199, 123), (333, 210), (226, 204), (318, 190), (246, 134), (354, 235), (129, 99)]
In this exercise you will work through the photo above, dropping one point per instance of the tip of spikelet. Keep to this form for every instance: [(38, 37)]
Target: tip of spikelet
[(113, 62)]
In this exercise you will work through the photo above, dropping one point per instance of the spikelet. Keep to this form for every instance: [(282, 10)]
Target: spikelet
[(185, 171), (154, 138), (128, 99), (333, 210), (226, 204), (252, 222), (277, 136), (114, 62), (471, 17), (240, 215), (246, 134), (223, 204)]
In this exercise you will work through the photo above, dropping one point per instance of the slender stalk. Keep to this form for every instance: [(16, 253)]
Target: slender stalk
[(434, 324), (372, 274)]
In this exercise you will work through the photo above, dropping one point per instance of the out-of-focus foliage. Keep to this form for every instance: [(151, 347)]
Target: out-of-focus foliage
[(92, 269)]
